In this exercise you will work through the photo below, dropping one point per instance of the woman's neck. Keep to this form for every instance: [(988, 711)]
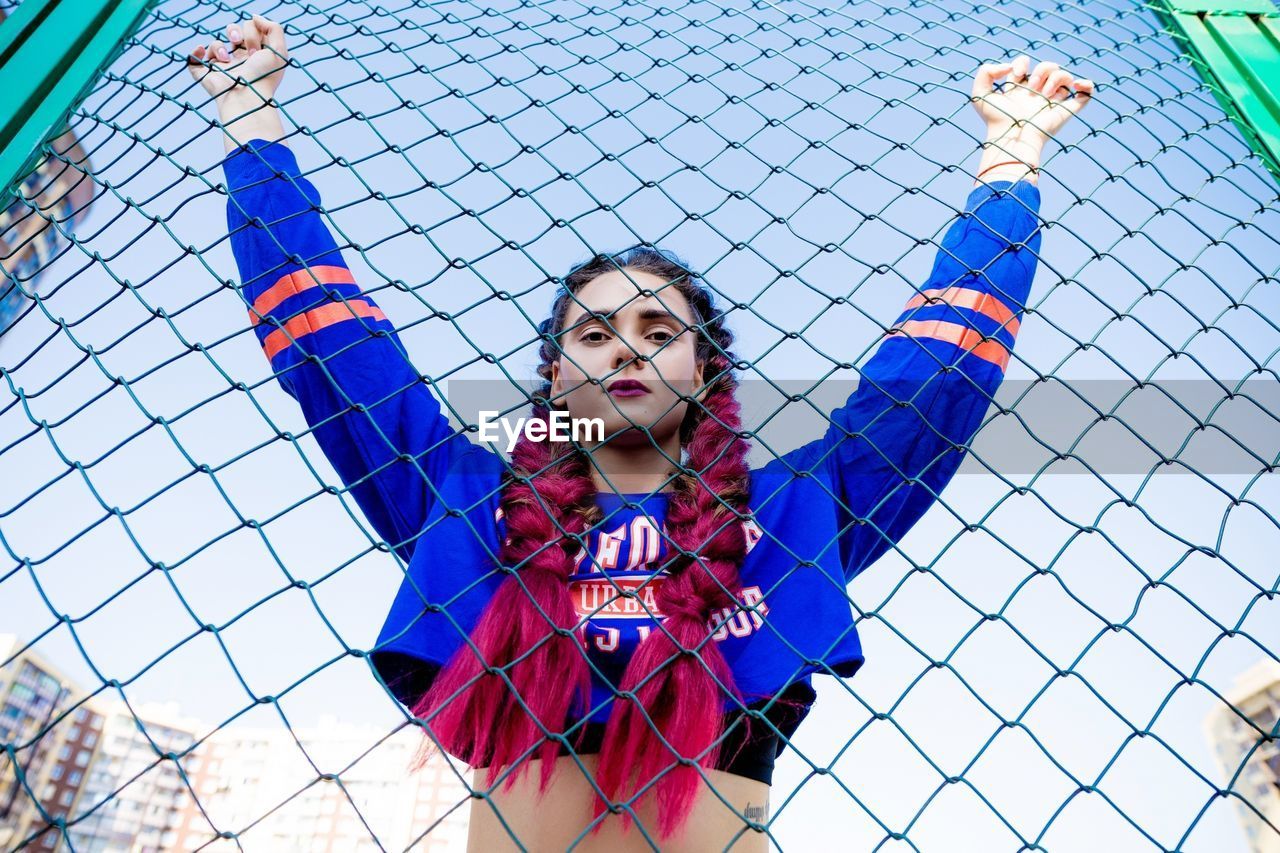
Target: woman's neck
[(633, 470)]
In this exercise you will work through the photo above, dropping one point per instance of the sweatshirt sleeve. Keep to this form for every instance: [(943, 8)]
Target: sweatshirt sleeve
[(331, 347), (898, 440)]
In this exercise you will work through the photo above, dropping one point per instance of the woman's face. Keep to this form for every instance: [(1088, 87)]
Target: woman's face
[(615, 333)]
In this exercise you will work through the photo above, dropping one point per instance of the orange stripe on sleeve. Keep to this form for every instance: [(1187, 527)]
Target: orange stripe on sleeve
[(317, 319), (297, 282), (954, 333), (974, 300)]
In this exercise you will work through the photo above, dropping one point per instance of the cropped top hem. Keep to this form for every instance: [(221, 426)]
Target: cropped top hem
[(749, 746), (408, 674)]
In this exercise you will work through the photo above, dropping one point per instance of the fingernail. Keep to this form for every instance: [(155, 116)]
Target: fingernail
[(223, 55), (234, 34)]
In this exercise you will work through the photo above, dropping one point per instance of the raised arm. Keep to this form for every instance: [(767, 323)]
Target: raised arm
[(328, 342), (898, 440)]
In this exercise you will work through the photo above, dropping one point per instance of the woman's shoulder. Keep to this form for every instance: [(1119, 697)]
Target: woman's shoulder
[(791, 482), (471, 486), (475, 469)]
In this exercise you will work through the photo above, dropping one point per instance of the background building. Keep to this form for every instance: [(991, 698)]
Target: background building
[(134, 797), (332, 787), (51, 739), (147, 779), (1245, 742)]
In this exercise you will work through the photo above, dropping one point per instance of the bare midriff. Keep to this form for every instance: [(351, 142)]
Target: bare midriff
[(559, 819)]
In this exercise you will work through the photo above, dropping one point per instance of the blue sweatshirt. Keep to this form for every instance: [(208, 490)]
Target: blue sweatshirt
[(821, 513)]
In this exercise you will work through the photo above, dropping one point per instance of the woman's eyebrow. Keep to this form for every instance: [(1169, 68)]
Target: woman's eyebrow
[(661, 314), (585, 317), (645, 315)]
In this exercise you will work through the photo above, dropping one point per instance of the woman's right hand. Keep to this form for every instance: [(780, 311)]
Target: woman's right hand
[(248, 67), (1033, 106)]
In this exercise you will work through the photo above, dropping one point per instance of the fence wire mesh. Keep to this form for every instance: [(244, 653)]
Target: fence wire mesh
[(1077, 644)]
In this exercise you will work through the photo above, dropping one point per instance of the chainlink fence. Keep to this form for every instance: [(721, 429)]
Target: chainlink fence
[(1076, 647)]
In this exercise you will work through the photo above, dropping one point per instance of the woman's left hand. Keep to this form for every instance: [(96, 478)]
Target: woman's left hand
[(1037, 103)]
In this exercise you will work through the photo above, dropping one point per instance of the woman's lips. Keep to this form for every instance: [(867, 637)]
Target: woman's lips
[(627, 388)]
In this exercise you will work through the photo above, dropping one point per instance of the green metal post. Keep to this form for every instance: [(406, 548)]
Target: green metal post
[(1235, 46), (51, 52)]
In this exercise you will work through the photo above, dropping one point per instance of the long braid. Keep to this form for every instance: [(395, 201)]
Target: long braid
[(528, 627), (678, 675)]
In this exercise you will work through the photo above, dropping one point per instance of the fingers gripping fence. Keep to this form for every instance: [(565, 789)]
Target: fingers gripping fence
[(1077, 642)]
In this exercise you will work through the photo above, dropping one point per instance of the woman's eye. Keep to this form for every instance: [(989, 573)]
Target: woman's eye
[(666, 335), (587, 337)]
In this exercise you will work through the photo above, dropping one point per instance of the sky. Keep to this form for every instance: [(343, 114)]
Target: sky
[(1156, 265)]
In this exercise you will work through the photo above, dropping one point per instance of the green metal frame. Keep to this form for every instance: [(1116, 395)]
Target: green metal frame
[(1235, 46), (51, 52)]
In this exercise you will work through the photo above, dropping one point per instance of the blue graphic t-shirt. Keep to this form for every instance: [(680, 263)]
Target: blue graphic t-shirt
[(615, 591), (819, 514)]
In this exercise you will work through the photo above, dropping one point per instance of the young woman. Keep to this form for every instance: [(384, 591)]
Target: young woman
[(639, 614)]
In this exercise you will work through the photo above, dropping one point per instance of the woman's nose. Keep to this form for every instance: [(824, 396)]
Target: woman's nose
[(623, 354)]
